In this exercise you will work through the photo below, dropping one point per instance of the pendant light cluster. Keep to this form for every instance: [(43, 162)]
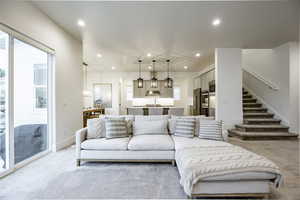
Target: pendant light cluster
[(154, 81)]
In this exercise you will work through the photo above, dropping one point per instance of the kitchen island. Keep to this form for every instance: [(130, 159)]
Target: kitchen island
[(146, 109)]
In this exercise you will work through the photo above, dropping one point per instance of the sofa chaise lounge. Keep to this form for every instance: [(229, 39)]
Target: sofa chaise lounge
[(171, 148)]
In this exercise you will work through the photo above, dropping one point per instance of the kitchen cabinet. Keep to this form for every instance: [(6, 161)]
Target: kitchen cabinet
[(204, 83), (197, 82), (141, 92), (203, 80), (165, 92)]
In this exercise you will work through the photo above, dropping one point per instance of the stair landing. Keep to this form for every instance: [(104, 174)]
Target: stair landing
[(262, 135)]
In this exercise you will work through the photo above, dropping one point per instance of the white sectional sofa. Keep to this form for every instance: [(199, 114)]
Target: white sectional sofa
[(162, 148), (142, 148)]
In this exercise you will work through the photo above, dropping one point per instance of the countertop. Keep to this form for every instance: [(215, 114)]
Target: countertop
[(154, 107)]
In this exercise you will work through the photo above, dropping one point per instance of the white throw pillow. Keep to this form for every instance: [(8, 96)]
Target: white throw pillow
[(96, 128), (129, 120), (197, 117), (211, 129), (197, 122), (185, 127), (116, 128), (156, 127)]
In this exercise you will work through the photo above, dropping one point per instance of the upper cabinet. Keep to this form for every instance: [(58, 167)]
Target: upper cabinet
[(141, 92), (197, 82), (165, 92), (203, 80)]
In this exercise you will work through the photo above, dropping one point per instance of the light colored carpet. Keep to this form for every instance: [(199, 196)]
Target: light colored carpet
[(55, 176), (62, 180), (115, 181)]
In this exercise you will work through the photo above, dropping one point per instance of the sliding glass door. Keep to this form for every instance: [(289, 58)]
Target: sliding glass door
[(30, 100), (25, 80), (4, 58)]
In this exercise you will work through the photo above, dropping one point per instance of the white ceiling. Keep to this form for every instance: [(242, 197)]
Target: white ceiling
[(126, 31)]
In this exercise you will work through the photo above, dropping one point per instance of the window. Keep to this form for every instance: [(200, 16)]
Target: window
[(129, 93), (176, 91), (40, 85)]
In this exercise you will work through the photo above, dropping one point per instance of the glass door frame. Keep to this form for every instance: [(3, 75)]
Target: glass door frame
[(13, 34)]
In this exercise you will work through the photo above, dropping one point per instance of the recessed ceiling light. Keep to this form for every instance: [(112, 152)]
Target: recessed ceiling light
[(185, 67), (197, 54), (216, 22), (99, 55), (81, 23), (149, 67), (149, 54), (113, 67)]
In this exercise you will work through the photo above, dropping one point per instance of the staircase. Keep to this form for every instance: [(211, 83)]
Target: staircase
[(258, 123)]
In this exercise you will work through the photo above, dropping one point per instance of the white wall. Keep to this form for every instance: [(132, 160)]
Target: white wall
[(26, 18), (228, 72), (183, 80), (272, 65), (278, 66), (294, 87)]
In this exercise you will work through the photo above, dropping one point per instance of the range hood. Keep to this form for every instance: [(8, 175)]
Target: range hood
[(152, 93)]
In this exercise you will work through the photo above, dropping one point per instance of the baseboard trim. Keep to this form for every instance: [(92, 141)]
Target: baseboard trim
[(64, 144)]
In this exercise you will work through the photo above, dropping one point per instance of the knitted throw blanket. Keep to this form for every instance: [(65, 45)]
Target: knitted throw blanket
[(199, 163)]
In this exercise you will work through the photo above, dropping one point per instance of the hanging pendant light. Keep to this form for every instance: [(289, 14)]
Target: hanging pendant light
[(140, 80), (153, 81), (168, 80)]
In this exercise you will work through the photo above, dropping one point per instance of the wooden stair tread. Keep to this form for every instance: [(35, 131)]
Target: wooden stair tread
[(251, 104), (249, 98), (254, 109), (261, 126), (259, 113), (262, 133), (262, 119), (251, 108)]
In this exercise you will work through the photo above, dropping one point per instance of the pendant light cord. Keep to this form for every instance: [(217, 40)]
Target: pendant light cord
[(153, 68), (168, 61), (140, 68), (85, 75)]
